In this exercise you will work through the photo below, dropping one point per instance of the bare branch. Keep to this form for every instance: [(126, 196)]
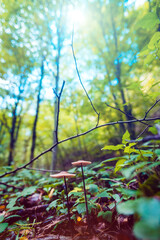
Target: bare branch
[(76, 65), (131, 116), (151, 108), (146, 139), (10, 186), (143, 132), (75, 136)]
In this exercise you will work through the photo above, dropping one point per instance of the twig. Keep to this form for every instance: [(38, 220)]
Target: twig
[(131, 116), (151, 108), (76, 65), (142, 132), (75, 136), (10, 186), (146, 139)]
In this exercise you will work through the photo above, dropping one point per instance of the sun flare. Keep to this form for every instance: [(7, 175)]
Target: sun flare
[(76, 16)]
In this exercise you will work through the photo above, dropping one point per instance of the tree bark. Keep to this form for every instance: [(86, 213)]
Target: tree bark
[(56, 123), (127, 109), (34, 134)]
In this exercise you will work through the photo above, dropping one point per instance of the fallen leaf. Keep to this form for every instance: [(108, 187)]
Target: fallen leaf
[(23, 238), (24, 232), (51, 193), (2, 207)]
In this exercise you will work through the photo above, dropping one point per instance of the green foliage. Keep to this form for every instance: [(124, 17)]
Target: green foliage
[(149, 213), (149, 21), (106, 215), (111, 147), (126, 169), (3, 226)]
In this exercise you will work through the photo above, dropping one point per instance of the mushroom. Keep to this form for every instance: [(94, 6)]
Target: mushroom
[(65, 175), (82, 163)]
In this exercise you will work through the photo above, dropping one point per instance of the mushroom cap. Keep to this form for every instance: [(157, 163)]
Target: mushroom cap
[(63, 174), (81, 163)]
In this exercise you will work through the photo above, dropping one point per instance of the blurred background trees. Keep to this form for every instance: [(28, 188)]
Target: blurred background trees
[(117, 50)]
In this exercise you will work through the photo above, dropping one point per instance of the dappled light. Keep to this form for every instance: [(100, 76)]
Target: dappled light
[(79, 120)]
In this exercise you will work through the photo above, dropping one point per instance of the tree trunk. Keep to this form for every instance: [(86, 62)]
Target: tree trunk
[(37, 113), (127, 110), (12, 133), (56, 113)]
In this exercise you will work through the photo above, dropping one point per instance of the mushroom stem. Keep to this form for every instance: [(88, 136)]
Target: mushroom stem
[(66, 190), (85, 195)]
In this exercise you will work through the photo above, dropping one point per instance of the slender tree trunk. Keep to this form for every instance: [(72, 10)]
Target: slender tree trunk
[(127, 110), (122, 126), (12, 135), (55, 132), (34, 134), (149, 3)]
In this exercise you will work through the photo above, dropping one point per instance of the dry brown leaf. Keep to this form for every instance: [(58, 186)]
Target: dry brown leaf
[(24, 232), (23, 238), (2, 207), (51, 193)]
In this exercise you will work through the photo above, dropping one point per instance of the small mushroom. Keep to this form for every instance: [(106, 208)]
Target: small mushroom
[(65, 175), (82, 163)]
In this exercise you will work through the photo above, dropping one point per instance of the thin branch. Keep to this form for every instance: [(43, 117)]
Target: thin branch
[(151, 108), (146, 139), (76, 65), (75, 136), (131, 116), (10, 186), (143, 132), (145, 117)]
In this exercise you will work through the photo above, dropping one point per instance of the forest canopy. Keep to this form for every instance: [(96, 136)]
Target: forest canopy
[(80, 80), (106, 52)]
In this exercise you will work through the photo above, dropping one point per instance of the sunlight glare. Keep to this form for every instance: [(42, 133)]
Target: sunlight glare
[(76, 16)]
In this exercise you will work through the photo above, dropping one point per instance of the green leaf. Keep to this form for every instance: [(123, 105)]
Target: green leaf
[(150, 57), (15, 208), (1, 218), (154, 41), (93, 188), (13, 216), (106, 215), (149, 210), (144, 52), (103, 194), (116, 197), (28, 191), (75, 193), (153, 130), (3, 226), (130, 150), (119, 165), (125, 137), (127, 208), (81, 208), (144, 230), (114, 148), (127, 192), (149, 21), (113, 159), (127, 172), (157, 152), (12, 202), (52, 204), (149, 168)]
